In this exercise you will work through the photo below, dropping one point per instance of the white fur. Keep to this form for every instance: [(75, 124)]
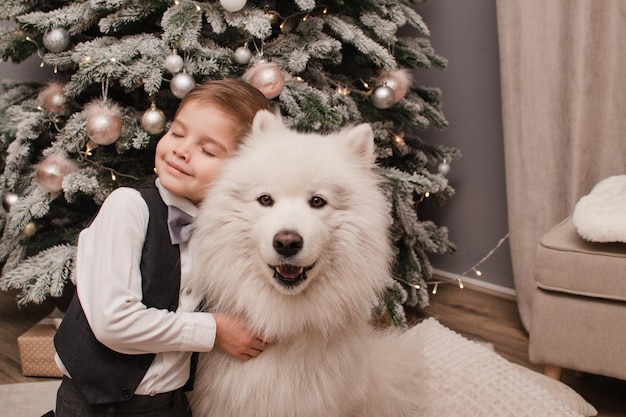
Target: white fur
[(600, 216), (325, 360)]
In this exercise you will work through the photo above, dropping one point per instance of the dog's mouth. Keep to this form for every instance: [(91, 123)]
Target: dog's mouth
[(290, 275)]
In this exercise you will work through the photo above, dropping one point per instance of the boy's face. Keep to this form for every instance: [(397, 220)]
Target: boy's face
[(189, 156)]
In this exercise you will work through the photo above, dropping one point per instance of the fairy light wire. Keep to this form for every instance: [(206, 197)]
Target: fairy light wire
[(487, 256)]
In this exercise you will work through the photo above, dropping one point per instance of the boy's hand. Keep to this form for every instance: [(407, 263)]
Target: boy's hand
[(233, 336)]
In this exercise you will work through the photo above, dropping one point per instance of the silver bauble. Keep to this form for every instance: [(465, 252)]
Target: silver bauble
[(56, 40), (174, 63), (398, 80), (383, 97), (8, 200), (233, 5), (51, 171), (104, 125), (267, 77), (181, 84), (153, 120), (242, 55)]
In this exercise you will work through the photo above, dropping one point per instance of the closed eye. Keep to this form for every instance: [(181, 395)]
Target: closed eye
[(208, 153)]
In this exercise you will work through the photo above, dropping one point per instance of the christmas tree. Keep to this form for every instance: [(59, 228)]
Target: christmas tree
[(120, 69)]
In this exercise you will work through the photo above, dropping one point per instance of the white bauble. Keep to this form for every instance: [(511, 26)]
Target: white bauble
[(174, 63), (153, 120), (8, 200), (181, 84), (242, 55), (233, 5), (444, 168)]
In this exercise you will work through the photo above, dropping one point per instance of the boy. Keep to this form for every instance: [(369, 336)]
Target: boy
[(126, 341)]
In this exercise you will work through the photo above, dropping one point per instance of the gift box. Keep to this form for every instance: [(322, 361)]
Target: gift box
[(36, 347)]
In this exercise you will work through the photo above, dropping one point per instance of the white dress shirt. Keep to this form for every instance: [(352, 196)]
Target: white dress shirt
[(108, 283)]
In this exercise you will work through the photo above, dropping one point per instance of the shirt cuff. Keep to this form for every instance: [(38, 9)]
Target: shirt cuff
[(200, 334)]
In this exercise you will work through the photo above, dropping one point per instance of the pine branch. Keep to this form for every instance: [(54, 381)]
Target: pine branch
[(41, 276)]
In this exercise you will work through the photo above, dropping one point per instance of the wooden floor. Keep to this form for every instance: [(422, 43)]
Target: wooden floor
[(474, 314)]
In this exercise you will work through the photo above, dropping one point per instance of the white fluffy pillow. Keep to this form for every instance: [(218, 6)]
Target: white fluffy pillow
[(600, 216)]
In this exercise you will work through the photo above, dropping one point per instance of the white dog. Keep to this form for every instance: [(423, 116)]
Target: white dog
[(294, 237)]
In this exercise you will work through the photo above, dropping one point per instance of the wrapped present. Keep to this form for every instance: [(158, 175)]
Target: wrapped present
[(36, 347)]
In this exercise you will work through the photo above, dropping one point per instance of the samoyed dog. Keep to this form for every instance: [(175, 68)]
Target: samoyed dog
[(293, 236)]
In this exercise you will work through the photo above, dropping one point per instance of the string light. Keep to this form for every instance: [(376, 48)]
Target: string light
[(473, 268), (42, 63), (84, 157), (484, 258)]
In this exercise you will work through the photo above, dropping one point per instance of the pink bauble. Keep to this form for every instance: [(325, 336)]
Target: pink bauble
[(104, 122), (398, 80), (52, 170), (267, 77), (53, 98)]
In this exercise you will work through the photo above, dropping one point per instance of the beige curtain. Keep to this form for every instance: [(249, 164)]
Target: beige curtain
[(563, 75)]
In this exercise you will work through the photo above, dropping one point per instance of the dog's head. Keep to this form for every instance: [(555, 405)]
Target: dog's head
[(295, 216)]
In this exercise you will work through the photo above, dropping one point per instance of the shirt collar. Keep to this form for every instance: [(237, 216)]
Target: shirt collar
[(172, 199)]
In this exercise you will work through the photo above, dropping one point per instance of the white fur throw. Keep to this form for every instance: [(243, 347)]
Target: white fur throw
[(468, 379), (600, 216)]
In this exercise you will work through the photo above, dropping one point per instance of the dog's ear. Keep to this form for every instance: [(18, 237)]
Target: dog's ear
[(265, 121), (360, 140)]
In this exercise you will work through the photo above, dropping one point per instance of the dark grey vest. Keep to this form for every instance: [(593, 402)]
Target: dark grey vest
[(101, 374)]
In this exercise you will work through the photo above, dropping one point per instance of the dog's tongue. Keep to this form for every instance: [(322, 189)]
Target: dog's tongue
[(289, 271)]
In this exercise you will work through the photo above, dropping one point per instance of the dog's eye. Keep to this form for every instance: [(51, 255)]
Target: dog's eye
[(265, 200), (317, 202)]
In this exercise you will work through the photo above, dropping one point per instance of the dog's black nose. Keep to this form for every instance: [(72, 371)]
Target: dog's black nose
[(287, 243)]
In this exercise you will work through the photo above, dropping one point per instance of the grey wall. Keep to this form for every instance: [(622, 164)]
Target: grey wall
[(465, 33), (25, 71), (28, 70)]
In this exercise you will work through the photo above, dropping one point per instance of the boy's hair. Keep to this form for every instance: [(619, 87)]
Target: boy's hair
[(234, 97)]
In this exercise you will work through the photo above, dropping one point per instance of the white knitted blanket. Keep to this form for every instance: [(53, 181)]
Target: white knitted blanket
[(469, 379)]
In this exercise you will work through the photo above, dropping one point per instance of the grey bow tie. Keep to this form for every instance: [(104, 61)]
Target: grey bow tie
[(179, 225)]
